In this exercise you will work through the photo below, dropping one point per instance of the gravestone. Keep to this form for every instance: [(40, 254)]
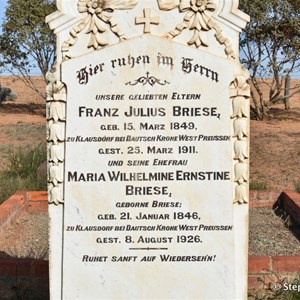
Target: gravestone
[(148, 128)]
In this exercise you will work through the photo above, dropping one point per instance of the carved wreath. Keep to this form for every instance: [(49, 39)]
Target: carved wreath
[(98, 13), (198, 17)]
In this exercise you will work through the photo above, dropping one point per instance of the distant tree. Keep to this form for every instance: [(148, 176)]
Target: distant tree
[(26, 40), (270, 48)]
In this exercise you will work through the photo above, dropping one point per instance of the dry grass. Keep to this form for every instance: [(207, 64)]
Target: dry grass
[(269, 235), (24, 132)]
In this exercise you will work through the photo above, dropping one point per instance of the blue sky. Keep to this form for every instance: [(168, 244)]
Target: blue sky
[(2, 10)]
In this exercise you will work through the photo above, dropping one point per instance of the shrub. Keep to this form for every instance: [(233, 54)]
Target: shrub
[(278, 290), (6, 94), (258, 185), (20, 171)]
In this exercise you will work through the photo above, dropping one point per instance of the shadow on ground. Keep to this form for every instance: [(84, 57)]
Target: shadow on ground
[(17, 284), (23, 108), (283, 114)]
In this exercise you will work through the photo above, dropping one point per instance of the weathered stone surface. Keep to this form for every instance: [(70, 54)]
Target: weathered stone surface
[(148, 151)]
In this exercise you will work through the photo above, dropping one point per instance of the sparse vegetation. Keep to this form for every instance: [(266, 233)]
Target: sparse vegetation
[(21, 132), (270, 233), (4, 149), (258, 185), (281, 289), (297, 186), (20, 171)]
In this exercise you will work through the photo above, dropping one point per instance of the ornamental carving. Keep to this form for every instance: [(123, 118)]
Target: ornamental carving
[(240, 96), (197, 18), (99, 18), (151, 80), (56, 102), (98, 15)]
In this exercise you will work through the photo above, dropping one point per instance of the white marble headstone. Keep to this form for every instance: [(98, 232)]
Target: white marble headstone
[(148, 135)]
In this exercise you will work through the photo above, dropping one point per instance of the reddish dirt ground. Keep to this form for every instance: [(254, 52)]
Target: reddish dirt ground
[(28, 111), (275, 147)]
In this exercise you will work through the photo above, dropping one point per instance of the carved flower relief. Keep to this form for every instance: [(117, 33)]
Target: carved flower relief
[(101, 8), (56, 111), (55, 96), (241, 172), (57, 133), (197, 17), (241, 194), (100, 11), (56, 153), (240, 92), (55, 174), (240, 128), (55, 195), (198, 6), (97, 11), (241, 150), (198, 11), (240, 87)]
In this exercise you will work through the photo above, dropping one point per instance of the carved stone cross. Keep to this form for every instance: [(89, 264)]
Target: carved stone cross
[(147, 20)]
